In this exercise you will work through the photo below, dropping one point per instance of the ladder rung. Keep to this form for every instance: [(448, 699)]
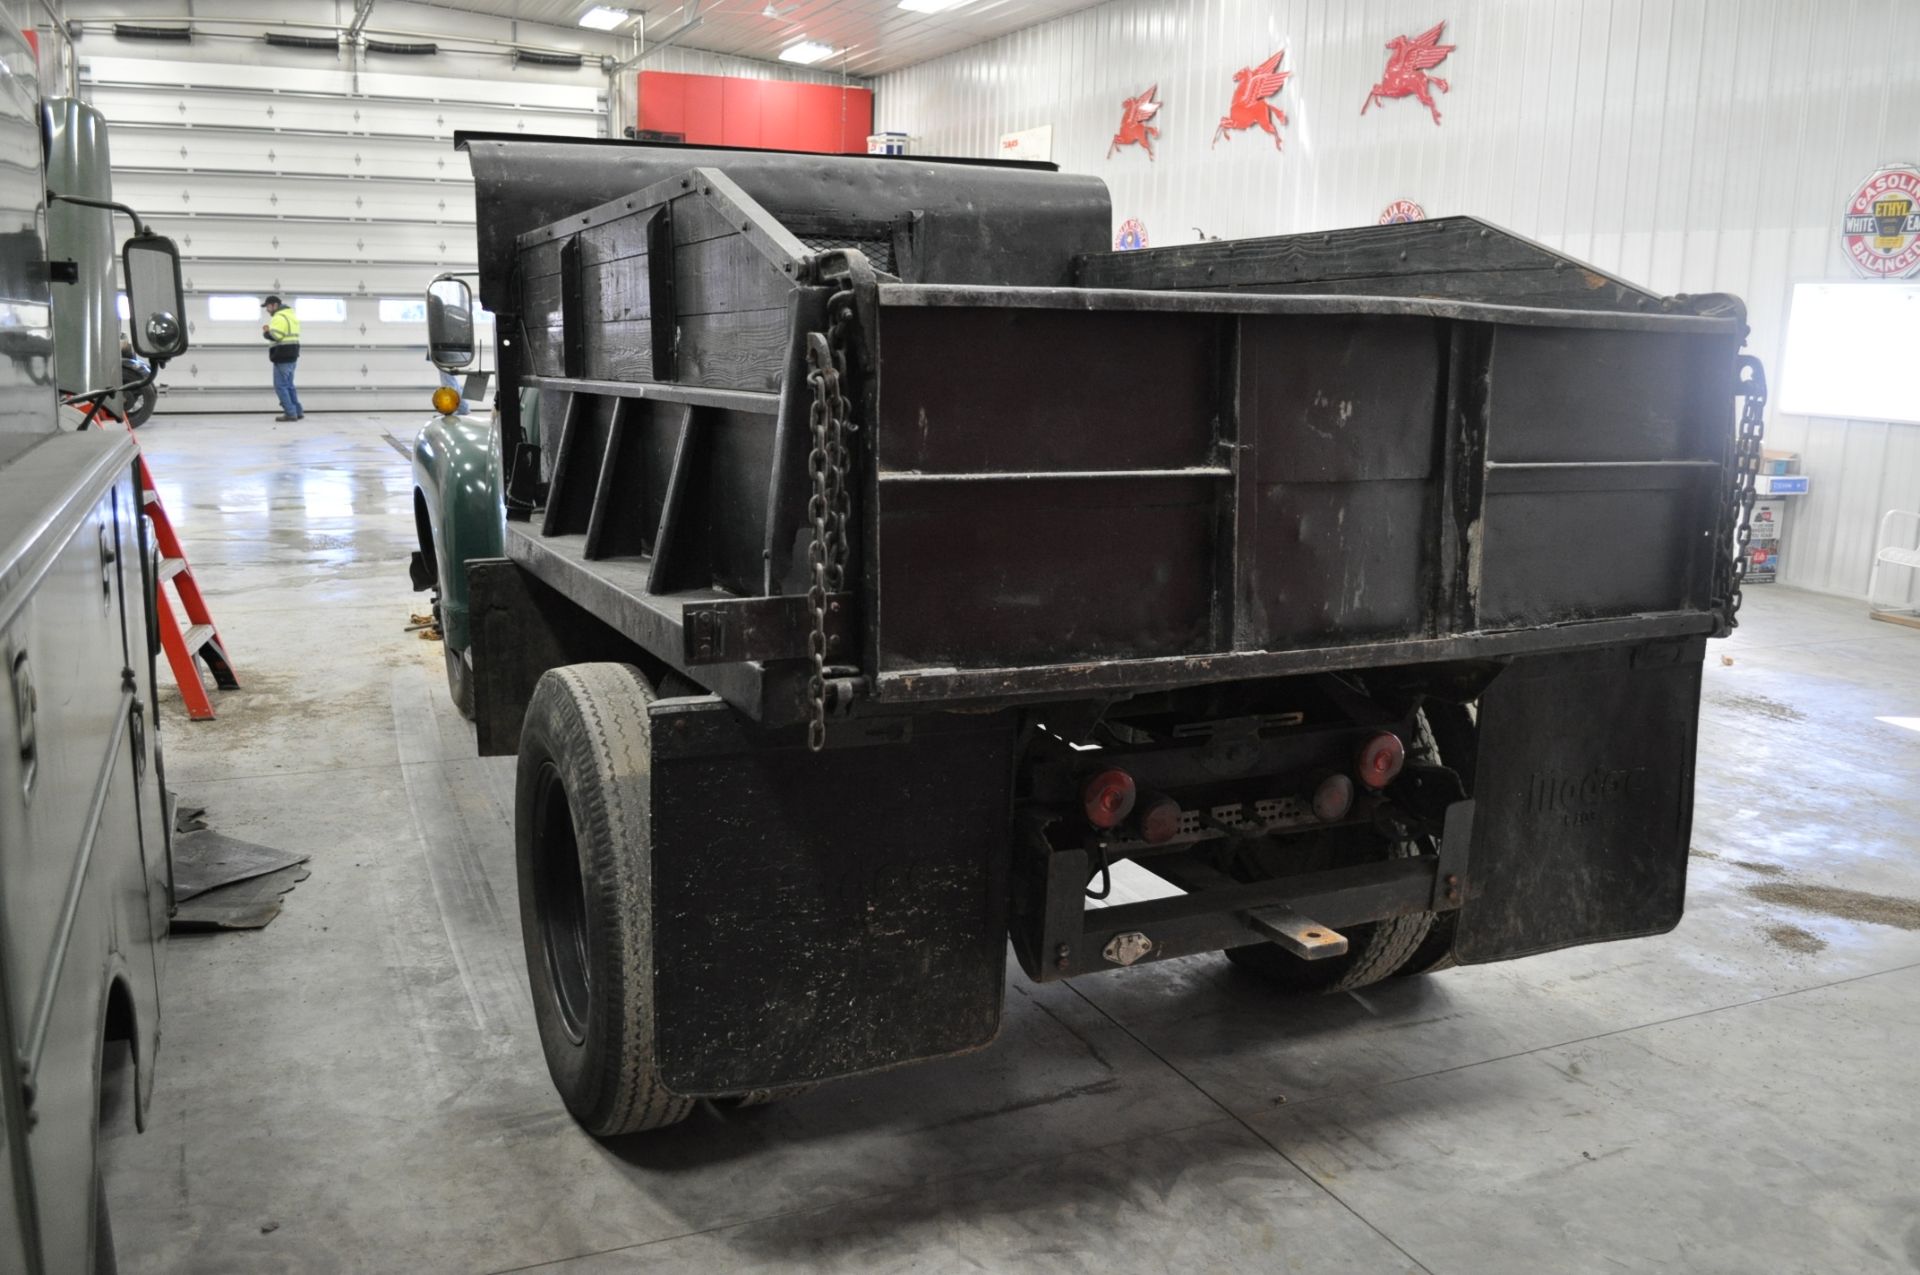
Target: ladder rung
[(198, 636), (171, 567)]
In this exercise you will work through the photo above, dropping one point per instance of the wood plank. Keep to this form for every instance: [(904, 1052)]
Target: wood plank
[(696, 221), (722, 276), (743, 351), (616, 290), (620, 350)]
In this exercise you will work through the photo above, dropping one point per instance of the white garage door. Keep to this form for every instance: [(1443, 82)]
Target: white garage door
[(341, 193)]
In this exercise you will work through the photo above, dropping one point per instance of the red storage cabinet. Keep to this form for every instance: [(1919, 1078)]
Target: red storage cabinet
[(719, 110)]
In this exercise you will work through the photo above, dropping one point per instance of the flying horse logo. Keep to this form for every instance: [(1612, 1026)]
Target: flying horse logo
[(1134, 129), (1254, 85), (1406, 73)]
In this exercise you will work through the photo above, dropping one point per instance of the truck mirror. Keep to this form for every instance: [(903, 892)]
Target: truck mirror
[(154, 297), (449, 323)]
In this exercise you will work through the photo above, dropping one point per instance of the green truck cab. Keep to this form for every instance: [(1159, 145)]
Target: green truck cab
[(457, 507)]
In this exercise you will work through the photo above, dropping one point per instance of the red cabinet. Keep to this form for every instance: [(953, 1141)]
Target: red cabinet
[(717, 110)]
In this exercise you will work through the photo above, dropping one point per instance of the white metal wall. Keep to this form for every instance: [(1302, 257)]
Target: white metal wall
[(1689, 145)]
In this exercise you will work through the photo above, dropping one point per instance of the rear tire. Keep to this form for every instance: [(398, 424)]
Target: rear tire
[(583, 841), (1455, 735), (459, 680), (1375, 950)]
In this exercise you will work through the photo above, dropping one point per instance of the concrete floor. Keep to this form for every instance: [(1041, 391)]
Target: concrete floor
[(359, 1087)]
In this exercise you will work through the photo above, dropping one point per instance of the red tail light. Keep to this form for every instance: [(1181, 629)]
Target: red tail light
[(1160, 821), (1381, 759), (1333, 798), (1108, 798)]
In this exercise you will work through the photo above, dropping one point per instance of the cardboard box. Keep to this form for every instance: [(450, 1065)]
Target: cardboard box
[(1775, 461)]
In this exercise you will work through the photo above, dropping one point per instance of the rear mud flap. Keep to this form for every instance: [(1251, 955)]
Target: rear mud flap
[(818, 915), (1584, 800)]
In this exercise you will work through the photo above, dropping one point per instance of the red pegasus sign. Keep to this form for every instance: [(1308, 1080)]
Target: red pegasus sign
[(1406, 73), (1253, 86), (1134, 129)]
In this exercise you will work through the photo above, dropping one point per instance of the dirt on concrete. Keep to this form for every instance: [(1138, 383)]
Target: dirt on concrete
[(1849, 905), (1795, 939), (1759, 706)]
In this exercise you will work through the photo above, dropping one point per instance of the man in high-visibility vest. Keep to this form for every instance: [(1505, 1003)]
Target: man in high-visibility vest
[(282, 330)]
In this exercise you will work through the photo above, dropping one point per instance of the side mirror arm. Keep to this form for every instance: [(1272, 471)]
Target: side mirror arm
[(139, 227)]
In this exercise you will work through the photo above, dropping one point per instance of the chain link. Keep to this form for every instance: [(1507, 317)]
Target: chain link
[(1737, 505), (829, 508)]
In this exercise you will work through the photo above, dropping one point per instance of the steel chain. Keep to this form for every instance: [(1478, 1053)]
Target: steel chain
[(1738, 514), (829, 508)]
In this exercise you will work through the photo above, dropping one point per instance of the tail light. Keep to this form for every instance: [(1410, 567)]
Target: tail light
[(1108, 798), (1160, 821), (1333, 798), (1380, 759)]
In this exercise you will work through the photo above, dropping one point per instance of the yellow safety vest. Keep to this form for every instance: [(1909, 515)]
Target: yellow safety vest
[(284, 325)]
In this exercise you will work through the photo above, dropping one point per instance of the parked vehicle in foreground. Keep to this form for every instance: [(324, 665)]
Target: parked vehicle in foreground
[(84, 868), (457, 509), (895, 560)]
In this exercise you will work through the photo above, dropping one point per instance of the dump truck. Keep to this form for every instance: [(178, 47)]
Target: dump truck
[(894, 562), (85, 867)]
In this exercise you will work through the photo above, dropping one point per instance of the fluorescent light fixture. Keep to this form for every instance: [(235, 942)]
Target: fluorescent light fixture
[(603, 18), (931, 6), (806, 53)]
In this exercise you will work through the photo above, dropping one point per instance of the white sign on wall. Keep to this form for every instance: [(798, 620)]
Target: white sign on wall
[(1028, 143)]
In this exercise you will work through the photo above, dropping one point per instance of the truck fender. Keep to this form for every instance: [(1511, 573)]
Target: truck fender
[(456, 480)]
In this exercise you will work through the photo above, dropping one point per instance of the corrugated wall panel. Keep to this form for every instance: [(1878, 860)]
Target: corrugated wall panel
[(1690, 145)]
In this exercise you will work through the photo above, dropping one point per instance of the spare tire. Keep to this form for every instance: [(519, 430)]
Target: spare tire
[(1375, 949)]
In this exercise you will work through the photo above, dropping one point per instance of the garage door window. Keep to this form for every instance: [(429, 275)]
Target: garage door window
[(234, 309), (403, 309), (321, 309)]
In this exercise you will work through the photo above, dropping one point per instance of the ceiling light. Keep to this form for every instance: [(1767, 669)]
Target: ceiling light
[(602, 18), (932, 6), (806, 53)]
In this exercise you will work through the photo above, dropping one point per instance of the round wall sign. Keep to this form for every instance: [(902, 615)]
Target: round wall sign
[(1132, 235), (1881, 232), (1402, 210)]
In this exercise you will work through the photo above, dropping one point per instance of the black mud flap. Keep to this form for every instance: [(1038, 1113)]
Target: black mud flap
[(1584, 800), (823, 914)]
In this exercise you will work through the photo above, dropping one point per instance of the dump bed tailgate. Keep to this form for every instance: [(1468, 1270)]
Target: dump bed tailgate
[(1078, 490)]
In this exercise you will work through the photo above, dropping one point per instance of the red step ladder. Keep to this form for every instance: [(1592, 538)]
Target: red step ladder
[(200, 637)]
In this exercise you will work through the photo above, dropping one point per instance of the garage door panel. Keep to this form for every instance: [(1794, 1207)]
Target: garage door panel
[(198, 151), (337, 368), (329, 278), (304, 77), (228, 195), (275, 113), (271, 241), (287, 175)]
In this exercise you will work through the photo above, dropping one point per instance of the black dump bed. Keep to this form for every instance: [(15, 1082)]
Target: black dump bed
[(1074, 472)]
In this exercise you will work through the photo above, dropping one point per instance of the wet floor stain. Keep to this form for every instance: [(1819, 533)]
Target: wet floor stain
[(1759, 706), (1849, 905), (1795, 939)]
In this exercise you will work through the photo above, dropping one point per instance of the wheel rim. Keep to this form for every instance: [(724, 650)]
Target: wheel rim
[(561, 899)]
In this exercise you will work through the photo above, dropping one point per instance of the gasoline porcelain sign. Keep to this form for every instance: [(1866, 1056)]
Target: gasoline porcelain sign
[(1882, 228)]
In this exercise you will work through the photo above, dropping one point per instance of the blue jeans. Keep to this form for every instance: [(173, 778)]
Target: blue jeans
[(283, 386)]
